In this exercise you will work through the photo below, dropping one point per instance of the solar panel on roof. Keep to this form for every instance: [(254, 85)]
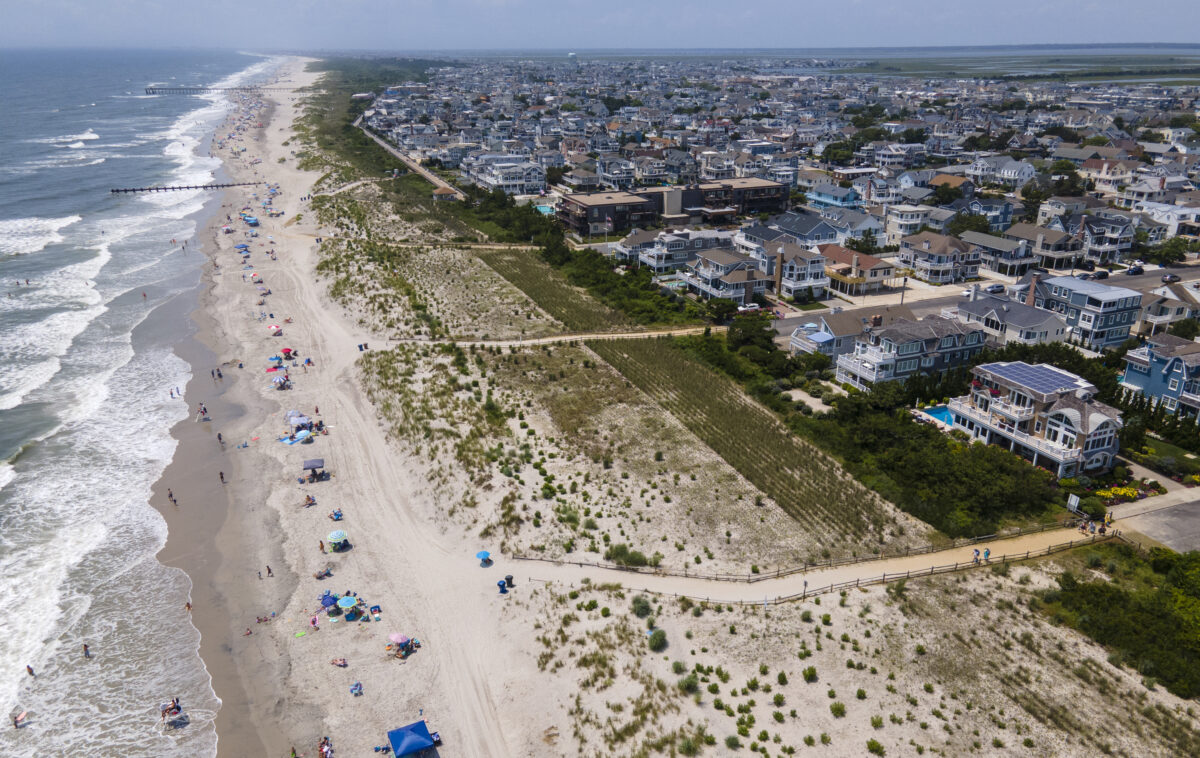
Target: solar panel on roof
[(1040, 378)]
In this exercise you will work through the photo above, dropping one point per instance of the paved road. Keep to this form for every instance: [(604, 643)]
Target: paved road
[(433, 178)]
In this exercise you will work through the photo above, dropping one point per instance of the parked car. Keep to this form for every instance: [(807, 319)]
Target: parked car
[(1134, 271), (967, 292), (1100, 274), (994, 289), (1087, 265), (1083, 275), (1170, 278)]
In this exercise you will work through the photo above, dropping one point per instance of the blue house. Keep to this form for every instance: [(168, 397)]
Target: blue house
[(1097, 315), (999, 213), (1166, 369), (827, 195)]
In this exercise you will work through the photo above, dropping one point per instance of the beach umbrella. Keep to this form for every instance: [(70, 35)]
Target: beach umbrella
[(347, 602), (398, 638), (273, 328), (338, 536), (242, 246), (328, 600), (483, 555)]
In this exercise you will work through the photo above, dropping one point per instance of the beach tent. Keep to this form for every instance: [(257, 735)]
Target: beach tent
[(410, 740), (312, 464)]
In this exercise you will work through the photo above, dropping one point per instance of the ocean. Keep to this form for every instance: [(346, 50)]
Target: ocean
[(85, 406)]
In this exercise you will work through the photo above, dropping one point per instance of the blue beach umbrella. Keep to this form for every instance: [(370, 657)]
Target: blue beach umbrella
[(338, 536), (483, 555), (328, 600), (347, 602)]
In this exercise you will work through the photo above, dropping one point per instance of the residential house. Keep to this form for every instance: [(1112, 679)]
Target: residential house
[(1165, 305), (1053, 249), (1167, 370), (671, 250), (681, 167), (833, 334), (797, 271), (1000, 169), (1109, 176), (903, 221), (1004, 256), (726, 275), (804, 228), (615, 173), (1143, 191), (503, 172), (999, 213), (1048, 416), (905, 349), (1062, 206), (853, 273), (1008, 321), (853, 225), (1098, 315), (827, 195), (938, 259), (1106, 239)]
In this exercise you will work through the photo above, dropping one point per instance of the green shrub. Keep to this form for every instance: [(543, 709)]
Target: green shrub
[(838, 709), (810, 674), (875, 748), (658, 640), (732, 742), (641, 606)]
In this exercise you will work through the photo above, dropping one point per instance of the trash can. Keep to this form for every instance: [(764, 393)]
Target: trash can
[(503, 589), (365, 346), (360, 347), (508, 580)]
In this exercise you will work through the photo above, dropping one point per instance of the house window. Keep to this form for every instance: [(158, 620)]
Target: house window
[(905, 366), (1173, 385)]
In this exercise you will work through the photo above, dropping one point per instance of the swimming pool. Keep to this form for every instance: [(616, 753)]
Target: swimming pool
[(545, 210), (941, 413)]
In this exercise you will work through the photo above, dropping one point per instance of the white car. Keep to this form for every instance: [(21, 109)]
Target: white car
[(966, 292)]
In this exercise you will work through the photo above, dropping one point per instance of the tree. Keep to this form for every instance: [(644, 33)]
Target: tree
[(944, 194), (1097, 141), (1174, 250), (720, 309), (797, 198), (968, 222), (912, 136), (864, 244), (1189, 329), (554, 174)]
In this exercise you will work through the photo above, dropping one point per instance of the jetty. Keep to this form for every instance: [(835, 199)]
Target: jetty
[(116, 191)]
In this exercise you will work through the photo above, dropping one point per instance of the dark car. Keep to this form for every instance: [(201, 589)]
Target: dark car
[(1134, 271), (1170, 278), (1083, 275), (1087, 266), (1100, 274)]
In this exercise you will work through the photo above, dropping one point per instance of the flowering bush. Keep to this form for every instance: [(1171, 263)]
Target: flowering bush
[(1119, 494)]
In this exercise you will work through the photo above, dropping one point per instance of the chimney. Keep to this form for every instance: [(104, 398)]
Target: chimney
[(877, 320), (1030, 296), (779, 272), (974, 292), (1162, 182), (925, 244), (854, 265), (1040, 239)]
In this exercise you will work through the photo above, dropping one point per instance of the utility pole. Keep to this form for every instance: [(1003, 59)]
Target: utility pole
[(903, 288)]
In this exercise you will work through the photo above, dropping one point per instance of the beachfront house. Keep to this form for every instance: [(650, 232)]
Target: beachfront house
[(1167, 370), (726, 275), (797, 271), (1048, 416), (908, 348), (1004, 256)]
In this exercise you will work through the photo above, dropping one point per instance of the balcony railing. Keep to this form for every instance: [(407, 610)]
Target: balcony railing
[(1058, 452), (1018, 412), (1190, 398)]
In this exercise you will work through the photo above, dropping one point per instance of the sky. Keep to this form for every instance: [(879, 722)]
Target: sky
[(408, 25)]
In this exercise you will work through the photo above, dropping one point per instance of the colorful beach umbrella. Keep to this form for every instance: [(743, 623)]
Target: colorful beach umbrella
[(347, 602), (338, 536), (398, 638)]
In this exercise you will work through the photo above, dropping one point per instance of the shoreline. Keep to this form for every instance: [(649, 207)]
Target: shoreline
[(199, 540)]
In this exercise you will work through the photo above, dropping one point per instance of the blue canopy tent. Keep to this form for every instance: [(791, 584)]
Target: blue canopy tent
[(411, 739)]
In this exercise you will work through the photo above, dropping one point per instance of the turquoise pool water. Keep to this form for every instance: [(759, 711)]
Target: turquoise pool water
[(546, 210), (941, 413)]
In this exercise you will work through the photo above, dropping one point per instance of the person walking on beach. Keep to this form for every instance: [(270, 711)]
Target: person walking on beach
[(270, 572), (975, 559), (86, 652), (322, 542), (29, 669), (222, 475), (987, 555)]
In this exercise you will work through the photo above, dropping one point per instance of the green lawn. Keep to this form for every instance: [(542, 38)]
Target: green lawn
[(577, 310)]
